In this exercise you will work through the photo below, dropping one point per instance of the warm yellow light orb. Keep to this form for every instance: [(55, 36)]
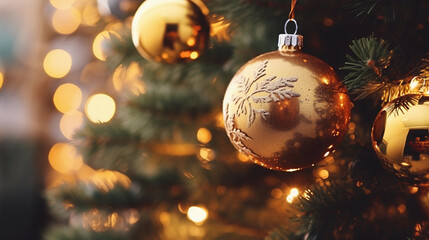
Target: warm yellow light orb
[(57, 63), (100, 45), (197, 214), (323, 174), (100, 108), (64, 158), (294, 192), (67, 97), (66, 21), (127, 79), (1, 79), (204, 135), (70, 122), (61, 4), (90, 15)]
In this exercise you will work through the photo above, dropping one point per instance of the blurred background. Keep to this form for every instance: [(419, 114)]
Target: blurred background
[(39, 60)]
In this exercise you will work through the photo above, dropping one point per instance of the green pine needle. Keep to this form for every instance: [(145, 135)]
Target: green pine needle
[(371, 57)]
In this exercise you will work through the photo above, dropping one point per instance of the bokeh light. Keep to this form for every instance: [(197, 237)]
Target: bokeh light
[(70, 123), (64, 158), (204, 135), (57, 63), (207, 154), (107, 180), (323, 174), (294, 192), (197, 214), (90, 15), (66, 21), (61, 4), (100, 46), (67, 97), (127, 79), (100, 108), (1, 79)]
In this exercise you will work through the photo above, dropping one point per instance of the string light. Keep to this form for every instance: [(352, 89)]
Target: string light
[(61, 4), (197, 214), (66, 21), (64, 158), (90, 15), (100, 108), (57, 63), (204, 135), (294, 192), (100, 46), (324, 174), (127, 79), (67, 97), (70, 122), (1, 80), (207, 154)]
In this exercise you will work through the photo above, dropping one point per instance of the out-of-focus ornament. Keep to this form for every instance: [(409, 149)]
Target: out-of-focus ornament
[(170, 31), (285, 109), (120, 9), (400, 137)]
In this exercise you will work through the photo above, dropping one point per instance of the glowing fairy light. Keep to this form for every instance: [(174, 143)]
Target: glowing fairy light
[(66, 21), (64, 158), (100, 108), (67, 97), (57, 63), (204, 135), (70, 122), (294, 192), (1, 79), (197, 214)]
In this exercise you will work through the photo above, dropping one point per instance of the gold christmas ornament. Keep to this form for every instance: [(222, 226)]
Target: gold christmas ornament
[(285, 109), (400, 137), (170, 31)]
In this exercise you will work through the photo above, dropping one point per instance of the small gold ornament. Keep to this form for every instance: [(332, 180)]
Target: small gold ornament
[(285, 109), (170, 31), (400, 137)]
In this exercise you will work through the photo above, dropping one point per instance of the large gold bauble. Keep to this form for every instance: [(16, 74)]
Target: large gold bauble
[(400, 137), (170, 30), (286, 110)]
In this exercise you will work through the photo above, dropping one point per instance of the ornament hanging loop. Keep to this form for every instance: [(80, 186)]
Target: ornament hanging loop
[(296, 26)]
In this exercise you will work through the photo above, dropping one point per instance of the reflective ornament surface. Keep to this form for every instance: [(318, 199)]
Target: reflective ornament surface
[(170, 31), (285, 109), (400, 137), (120, 9)]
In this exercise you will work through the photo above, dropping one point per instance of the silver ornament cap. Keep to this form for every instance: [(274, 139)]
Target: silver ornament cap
[(287, 40)]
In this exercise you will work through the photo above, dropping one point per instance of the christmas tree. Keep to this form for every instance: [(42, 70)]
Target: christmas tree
[(164, 168)]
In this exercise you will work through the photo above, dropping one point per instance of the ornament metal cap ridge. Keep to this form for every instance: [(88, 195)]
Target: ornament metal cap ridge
[(288, 40)]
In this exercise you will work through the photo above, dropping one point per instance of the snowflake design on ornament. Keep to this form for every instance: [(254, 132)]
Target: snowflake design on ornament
[(272, 89), (236, 135)]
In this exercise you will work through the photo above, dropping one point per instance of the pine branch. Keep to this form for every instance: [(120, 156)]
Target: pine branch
[(162, 114), (144, 192), (403, 104), (371, 57), (394, 11), (110, 146)]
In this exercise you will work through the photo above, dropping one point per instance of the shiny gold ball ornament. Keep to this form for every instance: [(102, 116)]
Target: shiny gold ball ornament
[(400, 137), (285, 109), (170, 31)]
